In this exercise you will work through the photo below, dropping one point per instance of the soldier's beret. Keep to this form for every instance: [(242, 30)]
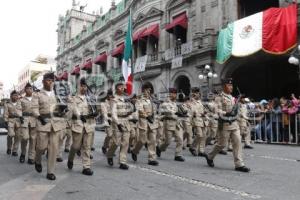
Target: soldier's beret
[(195, 90), (49, 75), (118, 84), (13, 92), (227, 81), (28, 85), (172, 90), (83, 81)]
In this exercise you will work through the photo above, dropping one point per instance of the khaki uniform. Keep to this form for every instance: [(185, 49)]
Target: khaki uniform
[(172, 127), (244, 123), (48, 134), (213, 120), (160, 130), (147, 130), (121, 111), (82, 132), (134, 129), (199, 126), (65, 134), (105, 109), (12, 114), (225, 104), (28, 128), (187, 124)]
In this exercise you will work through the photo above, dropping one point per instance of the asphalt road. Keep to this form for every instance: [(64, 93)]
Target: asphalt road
[(275, 174)]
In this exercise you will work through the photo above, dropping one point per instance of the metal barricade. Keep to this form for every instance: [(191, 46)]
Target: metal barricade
[(275, 128)]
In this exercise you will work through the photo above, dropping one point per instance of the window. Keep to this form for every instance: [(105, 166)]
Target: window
[(249, 7)]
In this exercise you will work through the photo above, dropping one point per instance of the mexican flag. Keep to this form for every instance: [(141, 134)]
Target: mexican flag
[(273, 31), (126, 64)]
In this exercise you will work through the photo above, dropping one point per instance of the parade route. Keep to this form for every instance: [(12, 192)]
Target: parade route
[(274, 175)]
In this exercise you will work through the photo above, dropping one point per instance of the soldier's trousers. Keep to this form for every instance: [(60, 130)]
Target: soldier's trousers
[(23, 137), (178, 135), (122, 140), (188, 133), (93, 139), (212, 132), (133, 136), (160, 134), (47, 141), (13, 139), (82, 141), (68, 137), (65, 134), (32, 142), (223, 138), (246, 134), (146, 136), (200, 139), (107, 139)]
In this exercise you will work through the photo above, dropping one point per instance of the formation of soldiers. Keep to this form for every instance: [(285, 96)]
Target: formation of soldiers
[(130, 124)]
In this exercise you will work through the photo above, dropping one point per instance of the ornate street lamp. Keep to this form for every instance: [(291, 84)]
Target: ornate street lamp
[(294, 59), (208, 74)]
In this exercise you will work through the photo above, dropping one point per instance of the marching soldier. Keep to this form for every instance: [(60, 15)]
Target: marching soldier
[(83, 127), (147, 126), (49, 125), (13, 118), (187, 122), (229, 128), (65, 135), (121, 111), (173, 128), (213, 123), (28, 128), (133, 124), (105, 109), (199, 125), (244, 124)]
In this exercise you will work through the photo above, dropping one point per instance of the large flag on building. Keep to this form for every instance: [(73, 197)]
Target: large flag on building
[(126, 64), (273, 31)]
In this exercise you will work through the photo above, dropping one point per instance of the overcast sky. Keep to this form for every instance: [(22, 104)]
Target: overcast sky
[(28, 28)]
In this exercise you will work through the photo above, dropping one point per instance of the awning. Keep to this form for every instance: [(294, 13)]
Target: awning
[(102, 58), (87, 65), (76, 70), (181, 21), (138, 35), (118, 51), (152, 30)]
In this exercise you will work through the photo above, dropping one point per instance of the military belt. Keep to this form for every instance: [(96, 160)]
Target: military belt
[(49, 115), (13, 116), (123, 116), (88, 116), (27, 114)]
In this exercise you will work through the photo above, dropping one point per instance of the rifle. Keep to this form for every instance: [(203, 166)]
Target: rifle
[(61, 92), (232, 115), (91, 100)]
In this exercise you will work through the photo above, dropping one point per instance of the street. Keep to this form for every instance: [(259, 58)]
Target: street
[(274, 175)]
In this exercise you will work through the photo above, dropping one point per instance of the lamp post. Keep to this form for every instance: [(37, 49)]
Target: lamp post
[(208, 74), (294, 59)]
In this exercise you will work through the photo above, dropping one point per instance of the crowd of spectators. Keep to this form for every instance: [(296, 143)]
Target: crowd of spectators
[(276, 120)]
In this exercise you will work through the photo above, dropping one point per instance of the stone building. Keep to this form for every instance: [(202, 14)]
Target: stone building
[(174, 40)]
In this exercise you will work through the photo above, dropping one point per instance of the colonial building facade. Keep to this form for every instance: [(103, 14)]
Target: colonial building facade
[(173, 42)]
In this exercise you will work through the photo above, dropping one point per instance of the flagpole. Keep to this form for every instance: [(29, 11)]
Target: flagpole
[(132, 50)]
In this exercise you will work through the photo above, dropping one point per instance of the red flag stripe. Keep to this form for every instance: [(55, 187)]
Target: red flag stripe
[(129, 84), (279, 29)]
